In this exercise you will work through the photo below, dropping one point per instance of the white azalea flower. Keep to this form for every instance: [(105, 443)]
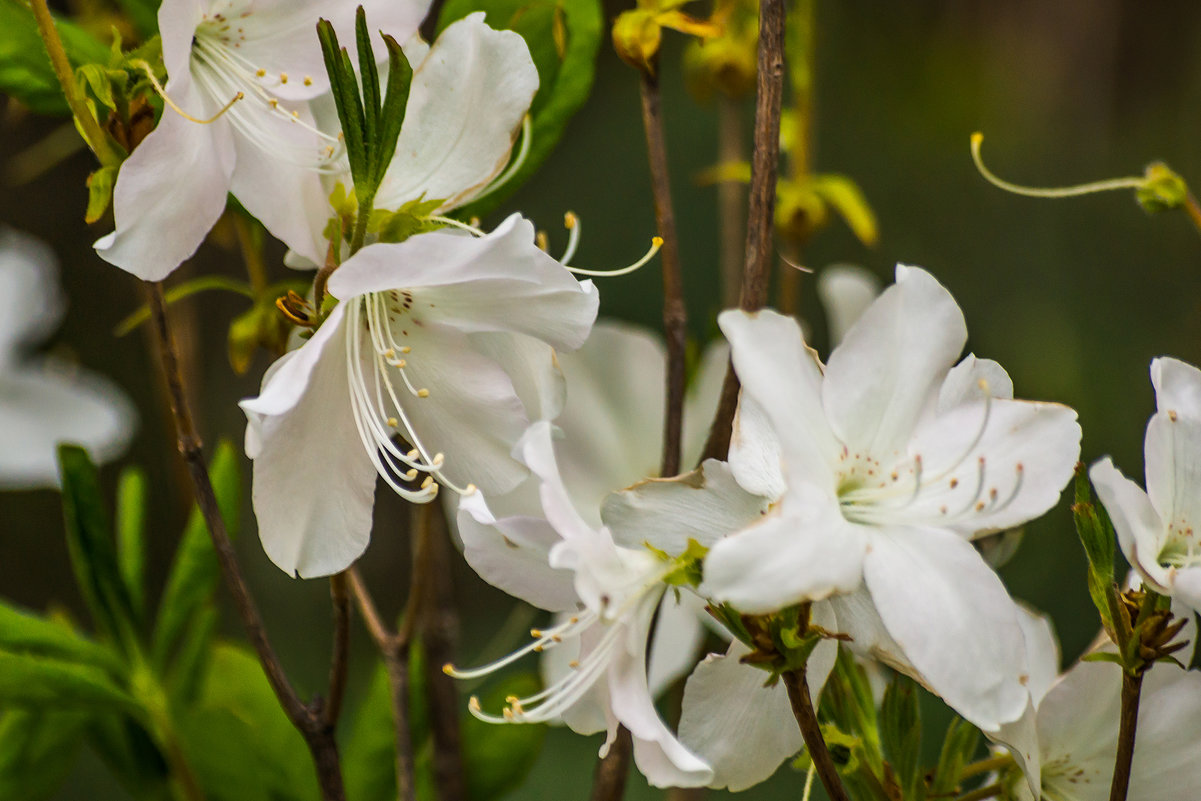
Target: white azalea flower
[(429, 370), (886, 463), (44, 401), (607, 592), (242, 71), (1075, 717), (1159, 529)]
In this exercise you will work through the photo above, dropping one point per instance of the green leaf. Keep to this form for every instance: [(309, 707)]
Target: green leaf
[(238, 739), (25, 633), (901, 734), (563, 37), (409, 220), (1095, 533), (40, 683), (144, 15), (372, 102), (25, 71), (497, 758), (194, 574), (958, 749), (844, 196), (37, 750), (131, 535), (396, 99), (345, 89), (91, 548), (130, 754)]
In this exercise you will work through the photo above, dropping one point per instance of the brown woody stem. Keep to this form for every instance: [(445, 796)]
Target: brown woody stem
[(757, 268), (309, 720), (802, 708), (1131, 691)]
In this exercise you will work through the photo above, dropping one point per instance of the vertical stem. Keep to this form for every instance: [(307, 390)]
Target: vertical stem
[(394, 647), (96, 138), (675, 315), (609, 781), (802, 708), (341, 648), (730, 208), (318, 736), (1131, 690), (439, 634), (757, 270)]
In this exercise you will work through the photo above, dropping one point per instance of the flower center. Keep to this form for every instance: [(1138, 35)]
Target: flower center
[(380, 387), (1181, 548)]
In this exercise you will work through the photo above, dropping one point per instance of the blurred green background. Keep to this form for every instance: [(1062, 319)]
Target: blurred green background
[(1073, 297)]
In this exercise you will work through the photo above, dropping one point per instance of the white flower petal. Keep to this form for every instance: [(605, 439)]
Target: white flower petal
[(755, 456), (743, 729), (1172, 455), (879, 380), (170, 191), (974, 379), (497, 282), (953, 619), (806, 551), (31, 303), (845, 290), (677, 639), (1042, 649), (43, 406), (1135, 521), (314, 486), (704, 505), (1177, 387), (701, 399), (511, 554), (466, 103), (532, 366), (783, 377)]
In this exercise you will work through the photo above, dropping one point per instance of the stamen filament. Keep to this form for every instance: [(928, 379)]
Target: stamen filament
[(572, 223), (1133, 182), (161, 92), (656, 243)]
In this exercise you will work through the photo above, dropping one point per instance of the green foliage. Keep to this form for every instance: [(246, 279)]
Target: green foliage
[(25, 633), (563, 37), (1162, 189), (25, 71), (143, 14), (37, 749), (131, 535), (409, 220), (901, 735), (40, 683), (194, 573), (497, 758), (1097, 535), (958, 748)]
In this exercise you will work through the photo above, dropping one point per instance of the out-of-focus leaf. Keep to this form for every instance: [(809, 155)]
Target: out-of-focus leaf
[(131, 535), (191, 657), (958, 748), (90, 545), (236, 714), (40, 683), (127, 750), (843, 195), (194, 573), (25, 71), (901, 734), (143, 13), (563, 37), (37, 750), (496, 758), (25, 633)]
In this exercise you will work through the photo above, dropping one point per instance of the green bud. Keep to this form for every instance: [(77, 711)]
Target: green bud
[(1162, 189)]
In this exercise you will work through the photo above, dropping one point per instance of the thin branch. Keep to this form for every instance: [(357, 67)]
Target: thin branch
[(675, 314), (609, 781), (802, 708), (1131, 690), (340, 660), (308, 720), (394, 647), (1193, 209), (757, 270), (439, 629)]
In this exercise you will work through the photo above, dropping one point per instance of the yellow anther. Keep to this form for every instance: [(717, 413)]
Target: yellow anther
[(411, 475), (439, 458), (570, 220), (283, 77), (413, 454), (511, 699), (405, 349), (393, 422), (428, 480), (261, 73), (449, 669), (473, 702), (573, 664), (389, 354), (308, 81), (536, 633), (541, 240), (423, 393), (508, 713), (657, 241), (469, 489), (401, 364), (273, 103)]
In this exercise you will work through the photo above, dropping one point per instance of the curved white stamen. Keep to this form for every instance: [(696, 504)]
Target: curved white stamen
[(451, 221), (1131, 182), (572, 223), (543, 639), (527, 140), (656, 243)]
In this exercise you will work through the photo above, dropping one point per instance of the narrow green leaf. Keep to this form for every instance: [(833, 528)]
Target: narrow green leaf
[(194, 573), (396, 99), (1096, 537), (40, 683), (23, 632), (37, 750), (91, 547), (25, 71), (901, 734), (100, 193), (345, 90), (372, 104), (844, 196), (958, 749), (131, 535), (191, 657), (565, 76), (130, 754)]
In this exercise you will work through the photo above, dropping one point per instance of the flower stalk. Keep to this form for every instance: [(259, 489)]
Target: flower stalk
[(1132, 685), (802, 707)]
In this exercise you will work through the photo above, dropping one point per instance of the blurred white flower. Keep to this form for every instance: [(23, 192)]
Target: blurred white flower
[(43, 400), (1160, 529), (430, 368), (243, 72), (882, 467)]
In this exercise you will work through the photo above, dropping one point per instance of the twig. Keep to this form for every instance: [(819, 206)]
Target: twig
[(438, 626), (609, 781), (1193, 209), (394, 647), (1131, 690), (802, 708), (340, 660), (307, 719), (675, 315), (96, 138), (757, 270)]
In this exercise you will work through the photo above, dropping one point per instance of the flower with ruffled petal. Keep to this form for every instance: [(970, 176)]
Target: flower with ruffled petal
[(886, 463), (44, 401), (1160, 529), (438, 356), (240, 76)]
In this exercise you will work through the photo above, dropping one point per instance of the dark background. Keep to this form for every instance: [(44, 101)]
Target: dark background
[(1073, 297)]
